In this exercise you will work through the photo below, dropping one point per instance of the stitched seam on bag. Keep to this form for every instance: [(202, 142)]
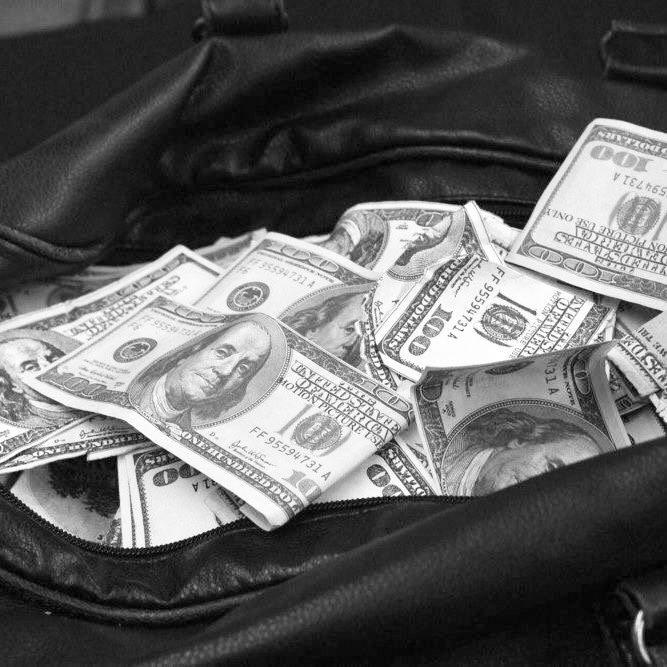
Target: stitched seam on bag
[(390, 156)]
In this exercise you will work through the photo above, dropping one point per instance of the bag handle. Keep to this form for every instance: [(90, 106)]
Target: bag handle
[(636, 51), (240, 17)]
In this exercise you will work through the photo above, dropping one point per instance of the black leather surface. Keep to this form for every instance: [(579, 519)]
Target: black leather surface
[(286, 130), (195, 150), (454, 572)]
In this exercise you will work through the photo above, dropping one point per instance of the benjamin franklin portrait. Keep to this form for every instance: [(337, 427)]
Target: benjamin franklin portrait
[(215, 377), (26, 352), (509, 445), (440, 236), (360, 236), (330, 319)]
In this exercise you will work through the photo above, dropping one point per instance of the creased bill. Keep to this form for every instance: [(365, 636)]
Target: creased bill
[(312, 290), (642, 356), (166, 500), (600, 224), (31, 342), (270, 416), (488, 427), (468, 310)]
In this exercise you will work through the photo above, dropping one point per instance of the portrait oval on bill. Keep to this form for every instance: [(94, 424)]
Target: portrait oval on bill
[(27, 352), (215, 377), (509, 442), (329, 319), (360, 235), (440, 236)]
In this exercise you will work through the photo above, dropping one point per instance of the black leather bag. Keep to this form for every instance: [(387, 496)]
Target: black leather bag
[(261, 125)]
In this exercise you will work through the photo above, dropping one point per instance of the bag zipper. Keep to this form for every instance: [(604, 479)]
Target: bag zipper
[(130, 552)]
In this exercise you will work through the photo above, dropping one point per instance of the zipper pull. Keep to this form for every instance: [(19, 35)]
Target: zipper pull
[(644, 600)]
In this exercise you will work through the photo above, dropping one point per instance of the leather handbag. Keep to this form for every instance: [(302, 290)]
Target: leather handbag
[(284, 123)]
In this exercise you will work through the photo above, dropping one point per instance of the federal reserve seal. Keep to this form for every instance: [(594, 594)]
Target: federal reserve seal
[(502, 323), (636, 215), (134, 349), (248, 296), (318, 433)]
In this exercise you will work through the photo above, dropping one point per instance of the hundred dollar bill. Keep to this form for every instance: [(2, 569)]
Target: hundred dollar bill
[(626, 398), (659, 402), (642, 356), (468, 310), (501, 234), (74, 496), (168, 500), (390, 472), (377, 235), (600, 224), (92, 434), (462, 232), (410, 441), (31, 342), (44, 294), (630, 316), (314, 291), (420, 234), (273, 418), (487, 427), (644, 426)]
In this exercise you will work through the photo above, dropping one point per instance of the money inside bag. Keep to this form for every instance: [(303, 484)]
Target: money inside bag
[(418, 349)]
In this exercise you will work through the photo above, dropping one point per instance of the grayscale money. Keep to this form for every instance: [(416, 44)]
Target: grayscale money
[(165, 500), (93, 436), (400, 240), (273, 418), (393, 471), (410, 441), (641, 356), (488, 427), (469, 310), (630, 316), (453, 234), (83, 505), (502, 236), (600, 224), (626, 397), (44, 294), (378, 235), (315, 292), (31, 342), (644, 425)]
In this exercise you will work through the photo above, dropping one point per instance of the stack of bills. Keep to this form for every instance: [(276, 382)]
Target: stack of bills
[(418, 349)]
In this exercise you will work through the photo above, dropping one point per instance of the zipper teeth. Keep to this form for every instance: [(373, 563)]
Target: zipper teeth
[(123, 552)]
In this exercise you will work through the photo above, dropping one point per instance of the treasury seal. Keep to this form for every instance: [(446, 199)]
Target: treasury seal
[(248, 296), (318, 433), (134, 349)]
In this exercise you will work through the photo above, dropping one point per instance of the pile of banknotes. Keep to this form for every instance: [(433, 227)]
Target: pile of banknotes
[(418, 349)]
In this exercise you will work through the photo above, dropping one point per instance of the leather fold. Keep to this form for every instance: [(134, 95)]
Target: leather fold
[(65, 201)]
